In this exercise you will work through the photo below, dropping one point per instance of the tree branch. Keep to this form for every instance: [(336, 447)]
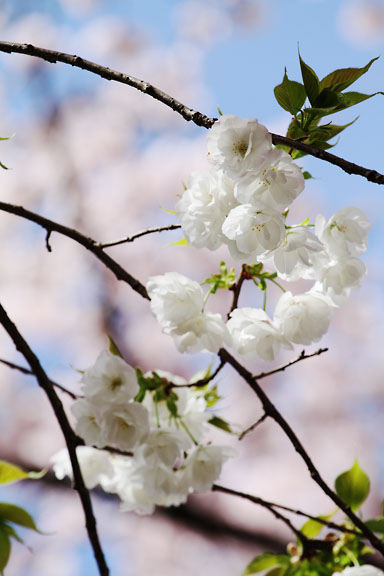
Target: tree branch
[(267, 504), (30, 373), (70, 439), (138, 235), (88, 243), (272, 411), (303, 356), (187, 113)]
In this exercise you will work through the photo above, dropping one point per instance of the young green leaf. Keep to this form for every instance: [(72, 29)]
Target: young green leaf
[(290, 95), (311, 528), (340, 79), (5, 548), (311, 81), (10, 473), (16, 515), (307, 175), (265, 561), (353, 486), (376, 524), (352, 98), (112, 347), (220, 423)]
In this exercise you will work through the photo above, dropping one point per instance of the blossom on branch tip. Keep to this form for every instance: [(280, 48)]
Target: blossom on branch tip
[(236, 145), (205, 332), (125, 426), (203, 466)]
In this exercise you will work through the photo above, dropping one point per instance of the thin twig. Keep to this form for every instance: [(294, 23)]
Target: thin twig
[(267, 504), (303, 356), (203, 381), (254, 425), (88, 243), (236, 288), (187, 113), (139, 234), (70, 438), (30, 373), (272, 411)]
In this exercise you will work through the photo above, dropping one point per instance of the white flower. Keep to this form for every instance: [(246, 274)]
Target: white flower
[(254, 335), (95, 465), (174, 298), (276, 183), (205, 332), (125, 426), (340, 277), (365, 570), (300, 255), (87, 423), (203, 466), (345, 233), (303, 319), (255, 230), (109, 380), (163, 446), (203, 208), (236, 145)]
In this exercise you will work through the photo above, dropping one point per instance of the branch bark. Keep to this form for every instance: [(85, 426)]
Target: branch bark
[(187, 113), (70, 438)]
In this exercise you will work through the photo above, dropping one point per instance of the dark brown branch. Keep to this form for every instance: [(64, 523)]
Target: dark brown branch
[(253, 426), (70, 439), (236, 288), (267, 504), (139, 234), (88, 243), (30, 373), (202, 381), (303, 356), (272, 411), (187, 113)]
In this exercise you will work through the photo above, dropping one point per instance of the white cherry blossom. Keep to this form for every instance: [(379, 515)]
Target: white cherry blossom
[(345, 233), (276, 183), (203, 208), (205, 332), (300, 255), (364, 570), (174, 299), (203, 466), (254, 229), (96, 465), (254, 335), (340, 277), (109, 380), (87, 423), (125, 426), (236, 145), (304, 318)]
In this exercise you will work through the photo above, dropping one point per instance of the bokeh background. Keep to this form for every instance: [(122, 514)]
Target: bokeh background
[(108, 161)]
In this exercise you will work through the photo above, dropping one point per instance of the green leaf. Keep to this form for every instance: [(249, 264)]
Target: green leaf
[(219, 111), (353, 486), (326, 132), (340, 79), (265, 561), (277, 571), (352, 98), (220, 423), (4, 167), (307, 175), (311, 528), (17, 515), (112, 347), (5, 547), (327, 98), (10, 473), (290, 95), (12, 533), (376, 524), (182, 242), (310, 79)]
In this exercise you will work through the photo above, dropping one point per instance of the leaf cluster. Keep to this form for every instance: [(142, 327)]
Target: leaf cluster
[(323, 97)]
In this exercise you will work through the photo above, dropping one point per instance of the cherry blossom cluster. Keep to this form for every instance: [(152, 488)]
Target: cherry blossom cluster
[(152, 436), (243, 203)]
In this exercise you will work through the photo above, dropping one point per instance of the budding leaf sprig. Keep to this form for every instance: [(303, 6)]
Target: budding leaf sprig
[(325, 97)]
